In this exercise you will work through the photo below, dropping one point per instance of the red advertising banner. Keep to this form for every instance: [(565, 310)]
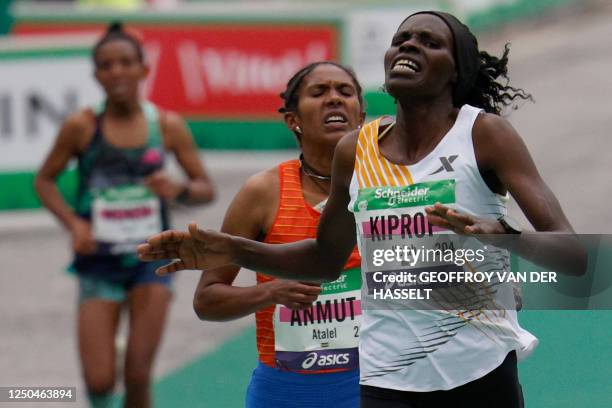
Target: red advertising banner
[(220, 70)]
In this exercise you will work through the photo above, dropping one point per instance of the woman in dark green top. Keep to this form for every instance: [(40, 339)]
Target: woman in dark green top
[(122, 196)]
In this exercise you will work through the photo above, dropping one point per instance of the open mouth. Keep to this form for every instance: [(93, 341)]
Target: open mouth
[(335, 118), (406, 65)]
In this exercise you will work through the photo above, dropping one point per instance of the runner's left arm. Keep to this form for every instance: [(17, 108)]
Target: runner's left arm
[(178, 139), (554, 244)]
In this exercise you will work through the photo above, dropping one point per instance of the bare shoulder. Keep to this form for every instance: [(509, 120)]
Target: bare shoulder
[(496, 142), (174, 129), (263, 187), (80, 121), (345, 149), (253, 209), (172, 120), (78, 129), (344, 158), (493, 129)]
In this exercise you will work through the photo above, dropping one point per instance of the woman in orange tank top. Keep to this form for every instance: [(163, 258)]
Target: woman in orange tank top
[(307, 334)]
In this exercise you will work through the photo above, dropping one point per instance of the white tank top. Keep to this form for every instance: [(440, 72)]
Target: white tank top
[(427, 350)]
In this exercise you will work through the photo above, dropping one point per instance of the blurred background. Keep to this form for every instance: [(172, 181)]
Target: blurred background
[(222, 64)]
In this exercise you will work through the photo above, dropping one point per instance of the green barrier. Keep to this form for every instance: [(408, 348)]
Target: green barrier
[(226, 135), (6, 20), (17, 189), (267, 135), (507, 12)]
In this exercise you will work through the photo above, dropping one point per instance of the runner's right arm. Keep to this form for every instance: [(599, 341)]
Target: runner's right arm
[(67, 145), (250, 215), (312, 260)]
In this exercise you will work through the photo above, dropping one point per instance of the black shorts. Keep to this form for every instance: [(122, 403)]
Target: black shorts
[(498, 389)]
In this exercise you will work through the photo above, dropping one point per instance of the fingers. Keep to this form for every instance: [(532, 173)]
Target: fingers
[(445, 217), (171, 268), (157, 256), (459, 218), (301, 293), (473, 229), (167, 237), (84, 245), (143, 251), (307, 289), (194, 232), (198, 234), (302, 297), (85, 248), (438, 209), (154, 177), (290, 294), (290, 287), (298, 306), (154, 182), (147, 252), (318, 285), (147, 248), (439, 222)]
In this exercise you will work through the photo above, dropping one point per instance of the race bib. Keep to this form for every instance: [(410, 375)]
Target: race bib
[(126, 214), (326, 336)]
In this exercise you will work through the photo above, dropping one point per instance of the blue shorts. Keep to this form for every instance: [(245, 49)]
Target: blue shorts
[(97, 286), (270, 387)]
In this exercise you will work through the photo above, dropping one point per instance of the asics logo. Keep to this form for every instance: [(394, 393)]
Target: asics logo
[(323, 361)]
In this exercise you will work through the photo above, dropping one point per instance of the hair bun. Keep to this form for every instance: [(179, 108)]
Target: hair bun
[(115, 27)]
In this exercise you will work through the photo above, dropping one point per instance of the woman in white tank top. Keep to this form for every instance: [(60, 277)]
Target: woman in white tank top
[(444, 166)]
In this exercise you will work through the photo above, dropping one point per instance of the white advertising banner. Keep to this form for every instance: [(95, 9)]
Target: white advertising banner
[(369, 34), (36, 93)]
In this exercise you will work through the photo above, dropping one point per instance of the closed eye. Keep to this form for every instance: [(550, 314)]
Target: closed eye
[(347, 90), (399, 39)]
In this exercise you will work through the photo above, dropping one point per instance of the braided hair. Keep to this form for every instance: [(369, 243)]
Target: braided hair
[(290, 94), (488, 92), (115, 32), (478, 71)]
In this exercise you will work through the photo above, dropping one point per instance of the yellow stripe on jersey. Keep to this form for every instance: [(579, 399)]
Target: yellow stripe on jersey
[(372, 169)]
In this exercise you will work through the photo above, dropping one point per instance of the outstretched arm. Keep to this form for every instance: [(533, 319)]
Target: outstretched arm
[(314, 260), (249, 216)]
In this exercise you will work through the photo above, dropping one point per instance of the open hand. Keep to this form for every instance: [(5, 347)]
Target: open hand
[(461, 223), (163, 186), (83, 241), (294, 295), (196, 249)]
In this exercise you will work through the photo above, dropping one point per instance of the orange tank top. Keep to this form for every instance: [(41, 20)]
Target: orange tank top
[(296, 220)]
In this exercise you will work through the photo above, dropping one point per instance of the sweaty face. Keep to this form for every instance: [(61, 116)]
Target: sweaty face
[(328, 105), (119, 70), (419, 62)]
